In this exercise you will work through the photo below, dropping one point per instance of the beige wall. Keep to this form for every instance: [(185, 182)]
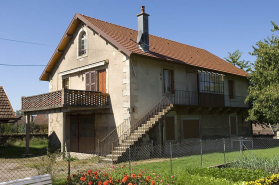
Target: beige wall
[(118, 72)]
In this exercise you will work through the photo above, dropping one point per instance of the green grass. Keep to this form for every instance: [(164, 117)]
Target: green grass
[(15, 148)]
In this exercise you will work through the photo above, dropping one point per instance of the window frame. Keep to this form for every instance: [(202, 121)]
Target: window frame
[(171, 81), (211, 83), (231, 85), (81, 33)]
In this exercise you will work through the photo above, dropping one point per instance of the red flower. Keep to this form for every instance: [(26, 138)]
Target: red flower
[(105, 174), (147, 180), (106, 183), (68, 178), (117, 180), (125, 179), (133, 175), (95, 173), (90, 183), (147, 177), (89, 172), (83, 178), (130, 184), (153, 183), (100, 183), (140, 175), (96, 177), (73, 175)]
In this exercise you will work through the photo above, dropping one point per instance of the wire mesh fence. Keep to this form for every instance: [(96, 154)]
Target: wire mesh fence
[(148, 158)]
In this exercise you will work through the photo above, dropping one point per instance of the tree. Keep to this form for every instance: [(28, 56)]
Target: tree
[(234, 57), (18, 113), (264, 80)]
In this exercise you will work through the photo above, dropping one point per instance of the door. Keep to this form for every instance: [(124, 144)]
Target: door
[(233, 125), (82, 134), (102, 81), (191, 129)]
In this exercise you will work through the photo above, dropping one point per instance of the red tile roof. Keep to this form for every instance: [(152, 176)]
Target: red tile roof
[(160, 48), (262, 129), (41, 119), (165, 49), (6, 110)]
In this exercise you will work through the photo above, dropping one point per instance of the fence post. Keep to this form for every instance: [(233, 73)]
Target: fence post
[(171, 157), (98, 150), (201, 152), (224, 150), (112, 153), (130, 159), (69, 164)]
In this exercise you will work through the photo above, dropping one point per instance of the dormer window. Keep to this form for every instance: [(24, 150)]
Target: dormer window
[(82, 47), (82, 43)]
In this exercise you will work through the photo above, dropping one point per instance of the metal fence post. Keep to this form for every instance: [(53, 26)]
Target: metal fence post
[(201, 152), (69, 164), (112, 154), (171, 157), (130, 160), (224, 150), (98, 150)]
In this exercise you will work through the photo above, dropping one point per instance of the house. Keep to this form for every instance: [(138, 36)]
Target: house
[(7, 114), (112, 86)]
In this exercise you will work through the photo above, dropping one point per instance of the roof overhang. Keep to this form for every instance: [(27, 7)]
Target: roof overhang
[(68, 36), (82, 68)]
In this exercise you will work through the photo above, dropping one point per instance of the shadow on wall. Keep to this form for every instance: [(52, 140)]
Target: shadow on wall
[(54, 143)]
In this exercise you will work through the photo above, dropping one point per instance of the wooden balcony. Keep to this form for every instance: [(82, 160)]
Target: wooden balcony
[(181, 97), (61, 100)]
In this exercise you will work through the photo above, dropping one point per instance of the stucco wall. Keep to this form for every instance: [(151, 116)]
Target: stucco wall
[(117, 79)]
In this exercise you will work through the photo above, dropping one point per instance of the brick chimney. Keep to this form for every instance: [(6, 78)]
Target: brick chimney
[(143, 33)]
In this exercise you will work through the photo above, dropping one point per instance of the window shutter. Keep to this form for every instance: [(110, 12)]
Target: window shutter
[(172, 82), (231, 95), (93, 80), (87, 81)]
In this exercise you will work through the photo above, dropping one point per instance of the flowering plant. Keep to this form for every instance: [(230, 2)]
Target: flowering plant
[(118, 176)]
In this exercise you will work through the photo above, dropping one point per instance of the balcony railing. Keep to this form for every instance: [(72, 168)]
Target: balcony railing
[(181, 97), (64, 98)]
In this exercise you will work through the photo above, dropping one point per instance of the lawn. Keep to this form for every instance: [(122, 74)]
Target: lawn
[(14, 149)]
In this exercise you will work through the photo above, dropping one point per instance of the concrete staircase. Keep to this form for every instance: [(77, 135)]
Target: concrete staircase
[(130, 139)]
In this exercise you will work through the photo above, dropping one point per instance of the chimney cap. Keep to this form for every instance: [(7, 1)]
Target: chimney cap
[(142, 8), (142, 11)]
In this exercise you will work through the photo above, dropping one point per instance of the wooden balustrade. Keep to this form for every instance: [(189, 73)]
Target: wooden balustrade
[(64, 98)]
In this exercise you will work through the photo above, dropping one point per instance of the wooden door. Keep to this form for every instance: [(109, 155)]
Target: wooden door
[(102, 81), (86, 134), (82, 137), (74, 134), (191, 129), (170, 128)]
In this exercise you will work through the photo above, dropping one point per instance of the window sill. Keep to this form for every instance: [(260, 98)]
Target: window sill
[(82, 56)]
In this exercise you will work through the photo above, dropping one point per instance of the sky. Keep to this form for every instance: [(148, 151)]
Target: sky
[(218, 26)]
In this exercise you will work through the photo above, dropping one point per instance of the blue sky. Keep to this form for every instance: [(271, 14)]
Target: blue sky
[(219, 26)]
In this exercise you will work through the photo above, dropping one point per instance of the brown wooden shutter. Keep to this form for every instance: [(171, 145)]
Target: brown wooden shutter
[(93, 80), (231, 95), (170, 128), (172, 82), (87, 81)]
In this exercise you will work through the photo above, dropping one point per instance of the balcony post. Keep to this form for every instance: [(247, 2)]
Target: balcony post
[(63, 132), (27, 136)]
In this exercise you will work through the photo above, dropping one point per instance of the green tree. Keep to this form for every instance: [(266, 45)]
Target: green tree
[(264, 80), (234, 58)]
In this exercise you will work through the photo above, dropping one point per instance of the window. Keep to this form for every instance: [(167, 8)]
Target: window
[(211, 83), (191, 129), (82, 43), (231, 89), (168, 81), (65, 83)]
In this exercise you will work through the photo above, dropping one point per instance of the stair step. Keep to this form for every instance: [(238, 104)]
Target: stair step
[(140, 130), (110, 156)]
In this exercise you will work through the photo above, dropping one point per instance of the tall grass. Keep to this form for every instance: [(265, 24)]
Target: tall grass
[(34, 142)]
